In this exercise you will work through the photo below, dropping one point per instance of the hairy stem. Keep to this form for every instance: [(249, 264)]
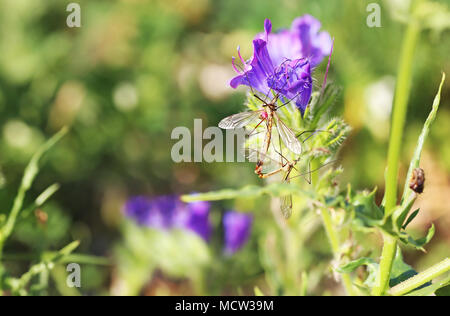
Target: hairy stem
[(398, 121)]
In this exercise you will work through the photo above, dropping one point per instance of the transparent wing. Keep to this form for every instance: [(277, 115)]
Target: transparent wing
[(286, 206), (239, 120), (288, 137), (286, 203), (270, 164)]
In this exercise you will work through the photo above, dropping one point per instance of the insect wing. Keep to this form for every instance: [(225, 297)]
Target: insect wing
[(239, 120), (286, 206), (288, 137), (270, 164), (286, 203)]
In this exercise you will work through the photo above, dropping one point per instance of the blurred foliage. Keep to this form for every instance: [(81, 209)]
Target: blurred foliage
[(137, 69)]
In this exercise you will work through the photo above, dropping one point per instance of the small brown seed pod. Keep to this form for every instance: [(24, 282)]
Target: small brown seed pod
[(417, 181)]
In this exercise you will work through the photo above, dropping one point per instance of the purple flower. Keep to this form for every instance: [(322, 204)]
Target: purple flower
[(282, 61), (168, 212), (198, 219), (237, 227)]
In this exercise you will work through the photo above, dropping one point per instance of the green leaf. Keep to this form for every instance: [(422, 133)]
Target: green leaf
[(400, 213), (415, 161), (410, 218), (418, 243), (252, 103), (274, 189), (443, 291), (61, 254), (320, 104), (332, 136), (40, 200), (400, 270), (372, 269), (18, 286), (367, 213), (29, 175), (353, 265)]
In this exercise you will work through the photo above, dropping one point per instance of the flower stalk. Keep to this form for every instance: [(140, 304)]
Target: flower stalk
[(402, 92)]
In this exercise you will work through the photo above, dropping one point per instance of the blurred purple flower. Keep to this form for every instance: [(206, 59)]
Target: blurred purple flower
[(167, 212), (198, 219), (237, 227), (282, 61)]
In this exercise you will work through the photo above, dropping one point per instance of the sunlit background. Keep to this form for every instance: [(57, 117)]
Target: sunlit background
[(137, 69)]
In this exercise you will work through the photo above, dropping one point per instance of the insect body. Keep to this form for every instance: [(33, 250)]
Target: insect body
[(417, 181), (267, 114)]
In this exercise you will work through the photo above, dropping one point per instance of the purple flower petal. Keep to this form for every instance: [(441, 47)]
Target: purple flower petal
[(260, 68), (138, 208), (293, 80), (313, 45), (198, 220), (167, 212), (237, 227), (282, 61)]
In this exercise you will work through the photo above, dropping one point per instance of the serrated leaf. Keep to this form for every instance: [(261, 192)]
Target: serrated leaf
[(420, 242), (273, 189), (366, 209)]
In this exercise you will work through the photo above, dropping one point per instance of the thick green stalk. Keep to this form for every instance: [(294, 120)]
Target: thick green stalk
[(332, 234), (398, 121), (386, 261), (421, 278), (399, 113)]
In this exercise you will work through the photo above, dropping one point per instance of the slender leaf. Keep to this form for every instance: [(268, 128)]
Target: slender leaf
[(274, 189), (415, 161)]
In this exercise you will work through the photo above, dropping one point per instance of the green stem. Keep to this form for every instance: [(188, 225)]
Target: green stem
[(387, 259), (332, 234), (399, 112), (29, 175), (421, 278), (78, 258), (398, 121)]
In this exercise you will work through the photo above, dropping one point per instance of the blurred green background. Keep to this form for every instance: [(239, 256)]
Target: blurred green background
[(137, 69)]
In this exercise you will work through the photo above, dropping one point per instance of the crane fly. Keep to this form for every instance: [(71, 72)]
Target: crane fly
[(268, 114)]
